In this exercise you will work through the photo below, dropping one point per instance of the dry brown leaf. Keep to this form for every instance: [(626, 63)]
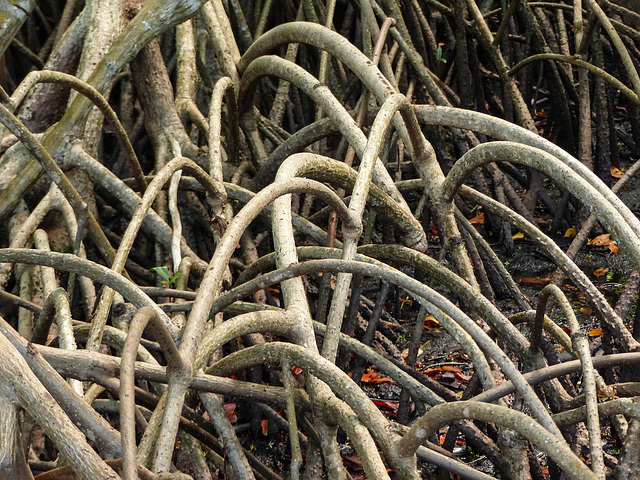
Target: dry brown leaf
[(477, 220), (430, 322), (541, 280), (601, 240), (616, 172), (599, 272)]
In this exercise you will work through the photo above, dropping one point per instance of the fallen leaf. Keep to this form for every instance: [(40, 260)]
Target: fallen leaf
[(599, 272), (462, 377), (442, 369), (613, 247), (451, 368), (541, 280), (477, 220), (596, 332), (391, 325), (296, 370), (586, 311), (430, 322), (601, 240), (518, 236), (370, 376), (383, 380), (422, 347), (571, 232), (616, 172), (265, 427), (275, 291), (542, 222), (390, 404)]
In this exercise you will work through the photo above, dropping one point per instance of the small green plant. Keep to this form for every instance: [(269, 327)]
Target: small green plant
[(164, 273), (439, 55)]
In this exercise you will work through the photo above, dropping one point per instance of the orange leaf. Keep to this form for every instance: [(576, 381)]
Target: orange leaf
[(613, 248), (430, 322), (443, 368), (383, 380), (369, 376), (571, 232), (518, 236), (462, 377), (275, 291), (599, 272), (616, 172), (265, 427), (451, 368), (596, 332), (296, 370), (601, 240), (535, 280), (477, 220)]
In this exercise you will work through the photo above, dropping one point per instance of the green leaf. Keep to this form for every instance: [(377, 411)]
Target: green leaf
[(163, 272)]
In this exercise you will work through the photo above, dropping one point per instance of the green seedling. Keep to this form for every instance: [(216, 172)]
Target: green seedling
[(164, 273), (439, 55)]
